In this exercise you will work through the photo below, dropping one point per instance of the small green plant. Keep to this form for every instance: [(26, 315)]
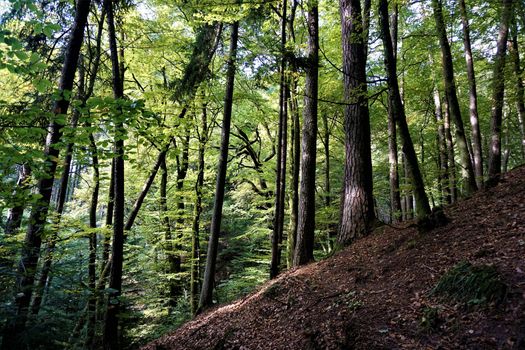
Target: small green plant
[(430, 320), (471, 284)]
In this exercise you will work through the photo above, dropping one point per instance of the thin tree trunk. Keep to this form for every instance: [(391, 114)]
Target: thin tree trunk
[(442, 149), (520, 99), (498, 91), (206, 297), (451, 154), (395, 195), (450, 90), (64, 185), (111, 334), (280, 183), (38, 216), (295, 155), (473, 96), (161, 157), (304, 246), (422, 204), (92, 263), (195, 240), (166, 223)]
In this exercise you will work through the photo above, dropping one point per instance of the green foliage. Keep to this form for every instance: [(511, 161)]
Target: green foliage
[(473, 285)]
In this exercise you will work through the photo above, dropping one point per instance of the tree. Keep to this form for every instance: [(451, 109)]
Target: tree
[(206, 297), (39, 211), (280, 182), (477, 154), (357, 204), (498, 91), (422, 205), (304, 245), (111, 336), (450, 91)]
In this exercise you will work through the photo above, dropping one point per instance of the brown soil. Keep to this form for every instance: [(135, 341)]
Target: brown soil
[(374, 294)]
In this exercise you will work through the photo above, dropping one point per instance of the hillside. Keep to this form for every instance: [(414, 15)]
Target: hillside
[(376, 293)]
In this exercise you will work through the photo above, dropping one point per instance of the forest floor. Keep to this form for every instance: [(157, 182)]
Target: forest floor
[(376, 294)]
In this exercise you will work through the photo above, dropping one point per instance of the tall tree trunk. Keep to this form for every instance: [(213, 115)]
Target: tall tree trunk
[(304, 245), (195, 240), (450, 90), (166, 223), (442, 150), (295, 155), (111, 334), (473, 96), (451, 154), (395, 195), (357, 205), (422, 205), (64, 185), (206, 297), (39, 211), (92, 260), (280, 183), (498, 91), (520, 99)]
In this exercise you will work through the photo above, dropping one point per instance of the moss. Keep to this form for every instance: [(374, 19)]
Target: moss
[(474, 285)]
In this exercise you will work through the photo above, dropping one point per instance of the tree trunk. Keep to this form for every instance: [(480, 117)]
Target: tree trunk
[(451, 154), (280, 183), (39, 211), (64, 186), (473, 96), (520, 99), (395, 196), (498, 91), (295, 155), (111, 334), (357, 205), (304, 246), (195, 240), (422, 205), (443, 175), (161, 157), (206, 297), (450, 90)]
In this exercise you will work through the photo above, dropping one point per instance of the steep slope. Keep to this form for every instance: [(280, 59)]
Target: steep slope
[(376, 293)]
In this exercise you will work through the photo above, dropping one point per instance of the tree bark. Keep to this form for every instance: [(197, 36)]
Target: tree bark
[(206, 297), (451, 154), (450, 91), (280, 182), (39, 211), (64, 185), (195, 240), (395, 194), (520, 99), (443, 175), (473, 98), (422, 205), (295, 155), (357, 204), (304, 246), (498, 91), (111, 334)]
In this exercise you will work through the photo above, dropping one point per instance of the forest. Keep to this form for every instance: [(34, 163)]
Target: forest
[(160, 158)]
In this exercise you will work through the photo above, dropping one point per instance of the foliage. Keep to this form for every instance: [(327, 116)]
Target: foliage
[(474, 285)]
